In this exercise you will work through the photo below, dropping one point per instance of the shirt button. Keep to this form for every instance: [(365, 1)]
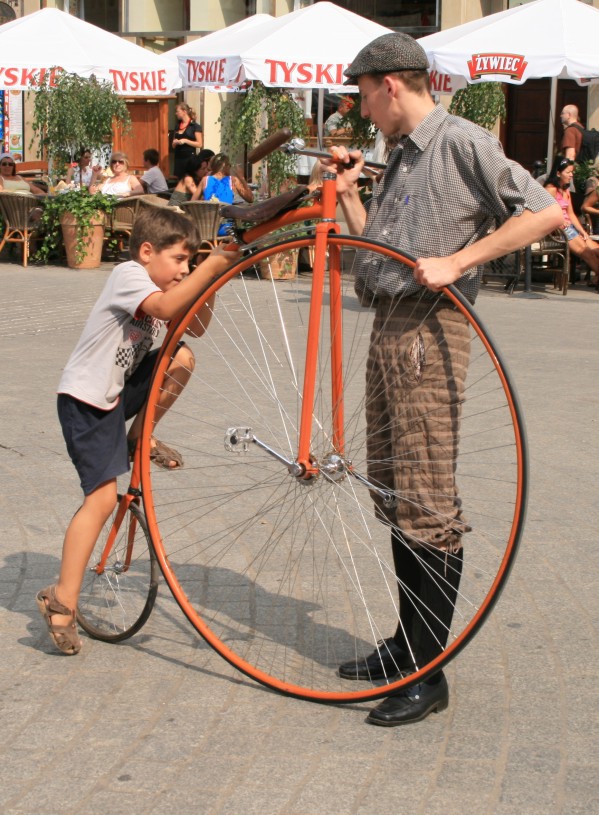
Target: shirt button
[(385, 232), (404, 169)]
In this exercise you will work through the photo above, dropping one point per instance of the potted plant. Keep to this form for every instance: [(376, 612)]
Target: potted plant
[(79, 217), (71, 114)]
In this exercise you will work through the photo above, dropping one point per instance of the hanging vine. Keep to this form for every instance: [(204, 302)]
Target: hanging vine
[(254, 115), (483, 104)]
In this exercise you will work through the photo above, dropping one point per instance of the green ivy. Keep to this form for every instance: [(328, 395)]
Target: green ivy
[(362, 130), (254, 115), (83, 206), (483, 104), (74, 113)]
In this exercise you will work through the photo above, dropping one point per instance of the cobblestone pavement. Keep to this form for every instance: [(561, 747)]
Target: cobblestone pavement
[(161, 724)]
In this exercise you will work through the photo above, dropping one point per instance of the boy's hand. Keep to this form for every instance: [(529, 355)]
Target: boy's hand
[(224, 255)]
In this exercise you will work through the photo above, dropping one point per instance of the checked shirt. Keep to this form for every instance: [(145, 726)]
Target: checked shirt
[(446, 186)]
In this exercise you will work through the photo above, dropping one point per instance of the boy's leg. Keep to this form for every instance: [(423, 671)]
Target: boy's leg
[(177, 376), (80, 539)]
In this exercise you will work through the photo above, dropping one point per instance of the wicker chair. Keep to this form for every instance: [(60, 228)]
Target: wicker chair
[(206, 215), (152, 200), (121, 220), (16, 209), (553, 254)]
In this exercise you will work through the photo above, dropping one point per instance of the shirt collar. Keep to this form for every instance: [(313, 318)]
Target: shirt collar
[(428, 127)]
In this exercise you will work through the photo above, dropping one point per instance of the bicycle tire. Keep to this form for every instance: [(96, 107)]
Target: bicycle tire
[(116, 603), (287, 579)]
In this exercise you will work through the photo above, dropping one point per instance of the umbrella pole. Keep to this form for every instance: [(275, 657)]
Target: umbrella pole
[(320, 117), (551, 133)]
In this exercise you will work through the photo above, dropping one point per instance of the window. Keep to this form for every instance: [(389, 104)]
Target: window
[(416, 17)]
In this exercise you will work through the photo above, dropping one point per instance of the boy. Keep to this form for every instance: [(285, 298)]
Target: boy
[(105, 382), (153, 179)]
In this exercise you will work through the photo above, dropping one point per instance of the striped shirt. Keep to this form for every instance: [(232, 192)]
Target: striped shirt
[(446, 186)]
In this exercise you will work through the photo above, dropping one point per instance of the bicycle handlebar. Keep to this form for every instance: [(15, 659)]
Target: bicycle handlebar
[(282, 140), (269, 145)]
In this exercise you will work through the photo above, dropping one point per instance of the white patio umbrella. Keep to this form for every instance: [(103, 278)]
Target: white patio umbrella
[(31, 46), (308, 49), (546, 38), (200, 62)]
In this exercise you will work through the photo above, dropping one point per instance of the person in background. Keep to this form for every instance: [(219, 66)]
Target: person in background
[(80, 173), (332, 126), (558, 185), (11, 182), (224, 186), (187, 137), (572, 138), (189, 184), (153, 179), (121, 183)]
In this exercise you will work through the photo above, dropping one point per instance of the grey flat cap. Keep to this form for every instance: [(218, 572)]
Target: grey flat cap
[(391, 52)]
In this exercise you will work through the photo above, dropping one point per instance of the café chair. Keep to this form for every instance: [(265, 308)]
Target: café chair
[(20, 212), (206, 215), (551, 254)]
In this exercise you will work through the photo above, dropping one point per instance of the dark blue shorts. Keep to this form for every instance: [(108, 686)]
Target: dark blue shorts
[(97, 439)]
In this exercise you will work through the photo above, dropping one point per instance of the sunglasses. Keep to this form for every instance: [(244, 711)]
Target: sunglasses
[(7, 164), (117, 161)]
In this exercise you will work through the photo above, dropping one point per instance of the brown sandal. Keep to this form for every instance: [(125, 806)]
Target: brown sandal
[(162, 455), (65, 637)]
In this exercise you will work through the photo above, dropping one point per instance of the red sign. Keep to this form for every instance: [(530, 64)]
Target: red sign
[(511, 65), (124, 81), (206, 70), (138, 81), (296, 74), (28, 77), (441, 83)]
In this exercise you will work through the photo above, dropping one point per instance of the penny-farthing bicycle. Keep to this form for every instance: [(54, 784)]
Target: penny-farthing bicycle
[(267, 537)]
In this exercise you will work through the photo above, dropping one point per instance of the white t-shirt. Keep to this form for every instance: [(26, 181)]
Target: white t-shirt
[(116, 337), (155, 180)]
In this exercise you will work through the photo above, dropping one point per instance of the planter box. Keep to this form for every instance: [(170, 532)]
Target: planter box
[(282, 266), (94, 240)]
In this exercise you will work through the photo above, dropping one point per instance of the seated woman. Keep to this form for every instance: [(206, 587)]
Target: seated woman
[(590, 207), (81, 174), (188, 186), (11, 182), (223, 186), (558, 184), (121, 183)]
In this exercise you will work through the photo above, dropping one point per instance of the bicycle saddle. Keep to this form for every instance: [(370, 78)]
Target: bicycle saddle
[(265, 210)]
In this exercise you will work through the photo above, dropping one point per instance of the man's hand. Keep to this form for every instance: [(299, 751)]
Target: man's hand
[(340, 163), (435, 273)]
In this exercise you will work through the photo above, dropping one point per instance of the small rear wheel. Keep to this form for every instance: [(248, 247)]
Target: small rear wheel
[(116, 602)]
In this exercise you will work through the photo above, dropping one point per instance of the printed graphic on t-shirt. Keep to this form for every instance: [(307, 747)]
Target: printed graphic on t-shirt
[(141, 334)]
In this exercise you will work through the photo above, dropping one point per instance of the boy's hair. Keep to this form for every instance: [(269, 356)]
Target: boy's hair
[(162, 227), (152, 155)]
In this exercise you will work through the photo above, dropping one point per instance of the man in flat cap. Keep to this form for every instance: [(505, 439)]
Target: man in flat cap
[(450, 198)]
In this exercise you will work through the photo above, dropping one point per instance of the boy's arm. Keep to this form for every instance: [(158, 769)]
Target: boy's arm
[(166, 305)]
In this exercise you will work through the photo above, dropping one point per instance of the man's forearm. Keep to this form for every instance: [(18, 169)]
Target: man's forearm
[(515, 233), (353, 210)]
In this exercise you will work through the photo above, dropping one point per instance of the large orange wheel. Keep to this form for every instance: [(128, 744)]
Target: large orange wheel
[(286, 577)]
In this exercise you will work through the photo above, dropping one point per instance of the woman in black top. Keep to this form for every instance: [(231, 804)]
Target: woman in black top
[(187, 137)]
